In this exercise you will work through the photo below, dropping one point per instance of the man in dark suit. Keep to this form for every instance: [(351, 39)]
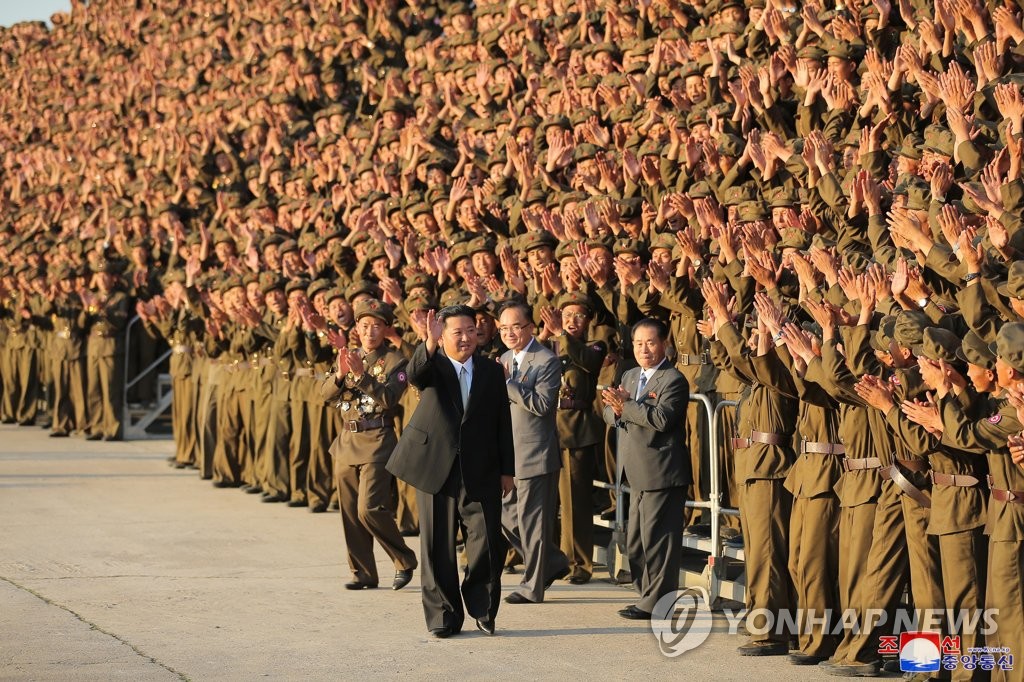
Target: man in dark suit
[(649, 411), (457, 452), (530, 513)]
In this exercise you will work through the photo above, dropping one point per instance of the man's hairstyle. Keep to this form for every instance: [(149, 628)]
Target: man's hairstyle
[(657, 325), (517, 305), (448, 312)]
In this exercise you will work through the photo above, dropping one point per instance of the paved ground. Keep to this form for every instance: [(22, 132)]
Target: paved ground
[(114, 566)]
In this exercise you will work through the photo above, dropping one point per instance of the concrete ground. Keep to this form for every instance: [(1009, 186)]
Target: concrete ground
[(114, 566)]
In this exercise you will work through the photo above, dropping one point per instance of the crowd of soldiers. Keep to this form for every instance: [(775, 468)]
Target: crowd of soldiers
[(822, 200)]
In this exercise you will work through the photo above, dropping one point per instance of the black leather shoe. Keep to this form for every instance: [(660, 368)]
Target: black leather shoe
[(252, 489), (442, 633), (180, 465), (410, 533), (356, 585), (579, 580), (486, 625), (58, 434), (111, 438), (850, 669), (319, 508), (298, 503), (557, 576), (277, 497), (800, 658), (94, 436), (608, 514), (225, 484), (516, 598), (402, 579), (633, 613), (511, 569)]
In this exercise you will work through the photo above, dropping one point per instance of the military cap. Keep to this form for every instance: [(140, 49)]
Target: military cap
[(232, 282), (975, 351), (1010, 345), (664, 240), (481, 243), (333, 293), (751, 211), (458, 251), (316, 286), (1013, 287), (362, 287), (909, 329), (453, 297), (372, 307), (938, 140), (585, 151), (287, 246), (842, 50), (420, 280), (536, 240), (169, 277), (420, 301), (649, 148), (910, 147), (794, 238), (731, 145), (566, 249), (375, 251), (882, 336), (781, 197), (699, 190), (810, 52), (627, 245), (938, 344), (418, 208), (569, 298), (738, 194), (269, 281)]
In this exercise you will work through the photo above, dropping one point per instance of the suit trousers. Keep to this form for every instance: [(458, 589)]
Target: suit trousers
[(441, 517), (814, 566), (367, 513), (528, 518), (764, 512), (1006, 594), (654, 542), (575, 490)]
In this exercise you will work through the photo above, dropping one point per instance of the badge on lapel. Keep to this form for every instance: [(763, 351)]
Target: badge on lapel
[(652, 396)]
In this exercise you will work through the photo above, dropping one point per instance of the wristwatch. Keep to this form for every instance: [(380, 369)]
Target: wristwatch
[(923, 302)]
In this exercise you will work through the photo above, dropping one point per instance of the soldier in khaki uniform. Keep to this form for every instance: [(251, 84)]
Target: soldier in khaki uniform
[(67, 353), (366, 389), (580, 428), (104, 318)]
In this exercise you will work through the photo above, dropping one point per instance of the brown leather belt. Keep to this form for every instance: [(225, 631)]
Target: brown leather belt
[(862, 464), (810, 447), (687, 359), (895, 474), (355, 426), (1007, 496), (739, 443), (570, 404), (954, 480), (758, 437)]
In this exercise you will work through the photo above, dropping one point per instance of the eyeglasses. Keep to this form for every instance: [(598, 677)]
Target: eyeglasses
[(574, 316), (515, 328)]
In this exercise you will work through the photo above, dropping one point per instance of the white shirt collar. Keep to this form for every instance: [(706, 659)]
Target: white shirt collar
[(648, 373), (519, 355), (468, 364)]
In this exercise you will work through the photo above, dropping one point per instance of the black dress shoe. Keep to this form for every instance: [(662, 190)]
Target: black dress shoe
[(442, 633), (298, 503), (251, 489), (58, 434), (402, 579), (94, 436), (410, 533), (800, 658), (9, 420), (111, 438), (180, 465), (608, 514), (516, 598), (763, 649), (356, 585), (318, 508), (276, 497), (633, 613), (579, 580), (485, 624), (557, 576), (511, 569)]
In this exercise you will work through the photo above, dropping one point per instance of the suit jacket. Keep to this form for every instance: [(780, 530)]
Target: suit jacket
[(534, 398), (440, 430), (652, 430)]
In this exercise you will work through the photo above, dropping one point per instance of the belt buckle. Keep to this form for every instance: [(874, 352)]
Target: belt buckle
[(352, 426)]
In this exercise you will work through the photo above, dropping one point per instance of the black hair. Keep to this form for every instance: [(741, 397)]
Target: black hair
[(653, 323), (448, 312), (516, 304)]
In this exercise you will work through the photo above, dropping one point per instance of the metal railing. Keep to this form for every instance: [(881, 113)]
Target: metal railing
[(136, 428), (716, 550)]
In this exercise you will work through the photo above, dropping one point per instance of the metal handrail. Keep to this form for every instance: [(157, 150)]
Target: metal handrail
[(128, 383)]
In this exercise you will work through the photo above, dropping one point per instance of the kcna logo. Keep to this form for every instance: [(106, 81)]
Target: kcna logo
[(682, 620)]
